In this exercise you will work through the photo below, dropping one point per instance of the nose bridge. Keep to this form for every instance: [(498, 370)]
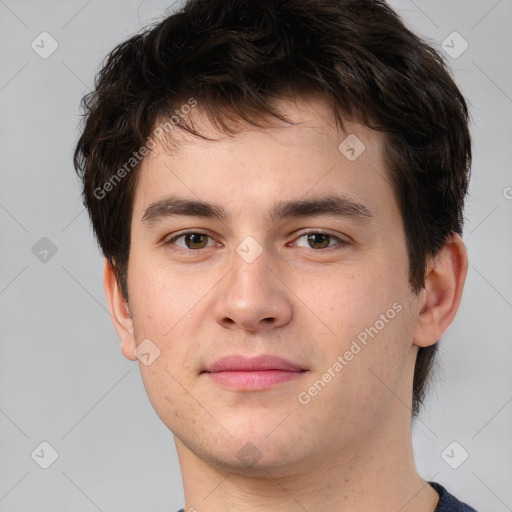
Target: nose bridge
[(252, 296), (250, 278)]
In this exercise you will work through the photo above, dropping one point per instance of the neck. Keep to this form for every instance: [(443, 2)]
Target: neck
[(377, 475)]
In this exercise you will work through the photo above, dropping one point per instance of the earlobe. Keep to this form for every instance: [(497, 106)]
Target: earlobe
[(119, 311), (439, 300)]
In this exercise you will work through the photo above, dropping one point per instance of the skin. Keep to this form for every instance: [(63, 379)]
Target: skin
[(350, 447)]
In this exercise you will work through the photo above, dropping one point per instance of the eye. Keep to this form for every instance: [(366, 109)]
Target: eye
[(192, 240), (319, 240)]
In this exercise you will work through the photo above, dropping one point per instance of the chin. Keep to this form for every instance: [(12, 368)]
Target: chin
[(249, 459)]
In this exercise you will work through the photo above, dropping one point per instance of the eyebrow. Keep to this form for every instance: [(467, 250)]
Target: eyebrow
[(333, 205)]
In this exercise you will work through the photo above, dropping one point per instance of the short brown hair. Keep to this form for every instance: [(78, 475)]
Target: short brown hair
[(235, 58)]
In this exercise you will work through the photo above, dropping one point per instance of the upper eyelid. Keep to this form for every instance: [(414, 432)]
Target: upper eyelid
[(319, 231), (306, 231), (179, 234)]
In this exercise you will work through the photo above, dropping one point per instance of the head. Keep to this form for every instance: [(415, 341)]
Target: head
[(245, 104)]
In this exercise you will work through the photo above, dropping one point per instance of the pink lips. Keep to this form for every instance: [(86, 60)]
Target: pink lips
[(254, 373)]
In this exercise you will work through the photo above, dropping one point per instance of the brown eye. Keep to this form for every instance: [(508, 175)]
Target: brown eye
[(196, 240), (192, 240), (318, 240)]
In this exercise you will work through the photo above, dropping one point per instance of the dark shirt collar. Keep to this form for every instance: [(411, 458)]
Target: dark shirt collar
[(449, 503)]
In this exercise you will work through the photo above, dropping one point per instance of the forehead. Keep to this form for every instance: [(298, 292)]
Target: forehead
[(289, 161), (312, 123)]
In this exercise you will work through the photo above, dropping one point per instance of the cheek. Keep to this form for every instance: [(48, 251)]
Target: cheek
[(163, 299), (348, 302), (364, 317), (171, 309)]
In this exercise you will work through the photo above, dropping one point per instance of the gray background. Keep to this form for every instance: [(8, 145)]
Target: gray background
[(63, 379)]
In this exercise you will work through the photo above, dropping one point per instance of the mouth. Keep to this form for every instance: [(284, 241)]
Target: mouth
[(251, 374)]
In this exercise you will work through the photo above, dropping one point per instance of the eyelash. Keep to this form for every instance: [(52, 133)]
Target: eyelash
[(341, 243)]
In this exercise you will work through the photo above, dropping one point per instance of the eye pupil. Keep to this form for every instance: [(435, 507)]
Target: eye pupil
[(318, 240), (195, 240)]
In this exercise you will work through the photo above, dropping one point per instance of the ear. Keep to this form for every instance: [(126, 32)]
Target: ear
[(119, 311), (439, 300)]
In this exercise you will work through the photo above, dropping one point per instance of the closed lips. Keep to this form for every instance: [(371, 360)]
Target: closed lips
[(237, 362)]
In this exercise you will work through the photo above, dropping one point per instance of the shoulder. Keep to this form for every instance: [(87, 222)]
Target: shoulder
[(449, 503)]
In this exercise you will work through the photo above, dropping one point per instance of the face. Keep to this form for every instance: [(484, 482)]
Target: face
[(297, 250)]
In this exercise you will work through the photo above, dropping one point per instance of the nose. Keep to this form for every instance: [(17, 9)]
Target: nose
[(252, 297)]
